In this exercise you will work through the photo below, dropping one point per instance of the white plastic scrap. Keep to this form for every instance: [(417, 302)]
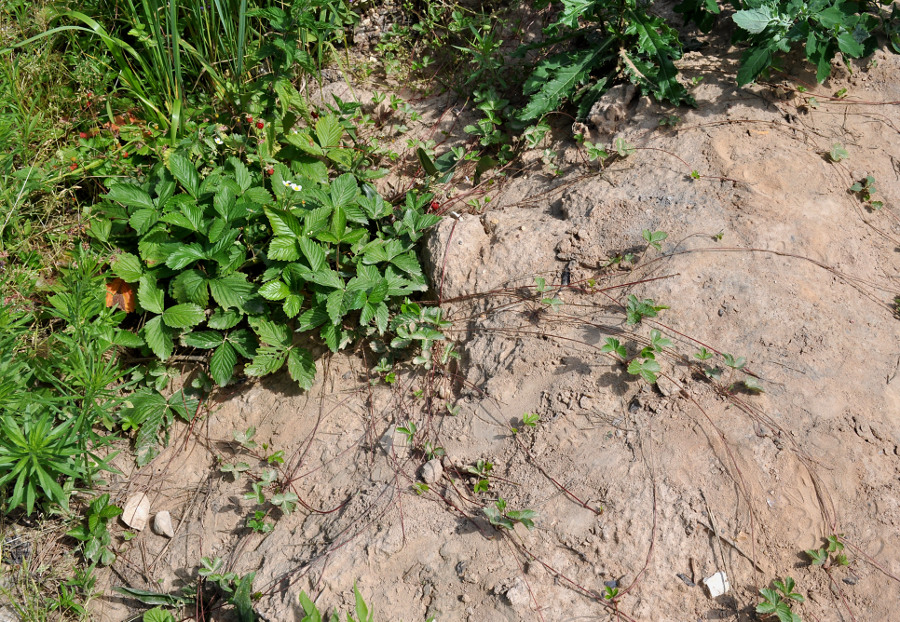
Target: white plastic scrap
[(717, 584)]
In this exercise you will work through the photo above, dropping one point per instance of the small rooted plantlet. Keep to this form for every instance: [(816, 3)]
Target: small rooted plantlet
[(865, 189), (500, 517), (636, 310), (777, 603), (653, 238)]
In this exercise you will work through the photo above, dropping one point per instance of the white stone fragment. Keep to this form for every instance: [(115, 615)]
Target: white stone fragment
[(717, 584), (162, 524), (137, 511)]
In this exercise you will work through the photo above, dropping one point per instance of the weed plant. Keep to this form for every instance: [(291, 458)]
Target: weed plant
[(54, 396), (620, 37), (823, 29)]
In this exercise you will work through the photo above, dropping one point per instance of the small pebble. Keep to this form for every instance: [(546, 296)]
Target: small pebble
[(432, 471), (162, 524)]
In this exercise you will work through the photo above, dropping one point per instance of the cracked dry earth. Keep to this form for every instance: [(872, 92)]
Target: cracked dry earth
[(768, 257)]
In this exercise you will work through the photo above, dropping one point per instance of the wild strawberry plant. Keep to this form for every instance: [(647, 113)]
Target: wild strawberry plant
[(234, 249)]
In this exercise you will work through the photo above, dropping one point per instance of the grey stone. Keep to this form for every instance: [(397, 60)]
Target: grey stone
[(432, 471)]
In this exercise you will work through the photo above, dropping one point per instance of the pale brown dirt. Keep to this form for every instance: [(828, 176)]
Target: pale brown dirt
[(625, 476)]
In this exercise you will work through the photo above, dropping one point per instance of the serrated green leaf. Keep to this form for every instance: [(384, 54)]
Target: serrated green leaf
[(344, 190), (283, 223), (221, 364), (646, 369), (378, 250), (231, 291), (330, 333), (849, 45), (354, 300), (183, 255), (216, 229), (179, 219), (274, 290), (224, 202), (408, 263), (150, 296), (185, 315), (194, 214), (658, 43), (158, 614), (367, 313), (378, 292), (301, 367), (241, 174), (753, 62), (184, 171), (142, 220), (191, 286), (312, 318), (753, 21), (100, 229), (313, 252), (575, 70), (399, 286), (325, 277), (334, 304), (127, 339), (205, 339), (283, 249), (149, 246), (244, 341), (342, 156), (375, 206), (258, 195), (316, 220), (381, 318), (311, 168), (130, 196), (292, 305), (159, 338), (128, 268), (304, 142), (367, 277), (268, 360), (329, 131), (223, 320), (271, 333), (338, 223), (588, 97), (227, 253), (146, 443)]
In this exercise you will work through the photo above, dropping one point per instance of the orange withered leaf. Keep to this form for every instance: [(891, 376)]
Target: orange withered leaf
[(120, 294)]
